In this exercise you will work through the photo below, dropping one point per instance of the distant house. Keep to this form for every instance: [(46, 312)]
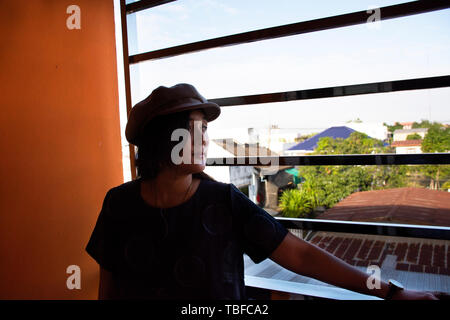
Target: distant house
[(376, 130), (407, 146), (407, 125), (310, 144), (240, 176), (220, 173), (400, 205), (275, 138), (247, 178), (402, 134)]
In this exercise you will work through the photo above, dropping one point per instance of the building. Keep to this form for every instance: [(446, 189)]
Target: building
[(247, 178), (402, 134), (309, 145), (407, 125), (220, 173), (275, 138), (376, 130), (407, 146), (400, 205)]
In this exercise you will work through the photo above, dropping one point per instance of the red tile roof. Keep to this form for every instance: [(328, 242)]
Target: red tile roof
[(401, 205), (407, 143), (415, 255)]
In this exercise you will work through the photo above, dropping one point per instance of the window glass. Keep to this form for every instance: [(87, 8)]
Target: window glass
[(186, 21), (411, 47), (398, 122)]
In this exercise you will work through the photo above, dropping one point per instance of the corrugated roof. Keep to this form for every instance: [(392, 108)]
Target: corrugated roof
[(333, 132), (401, 205)]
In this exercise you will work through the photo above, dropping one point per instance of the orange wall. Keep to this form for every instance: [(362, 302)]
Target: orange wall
[(59, 140)]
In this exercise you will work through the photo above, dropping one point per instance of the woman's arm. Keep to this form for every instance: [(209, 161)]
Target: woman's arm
[(309, 260)]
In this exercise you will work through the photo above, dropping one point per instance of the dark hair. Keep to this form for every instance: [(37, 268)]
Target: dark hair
[(155, 146)]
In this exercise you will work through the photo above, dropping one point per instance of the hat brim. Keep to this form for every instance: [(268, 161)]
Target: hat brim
[(211, 110), (134, 129)]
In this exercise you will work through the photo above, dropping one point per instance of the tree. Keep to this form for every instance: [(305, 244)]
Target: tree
[(394, 127), (356, 143), (426, 124), (437, 139), (327, 185), (296, 203), (446, 185), (414, 136)]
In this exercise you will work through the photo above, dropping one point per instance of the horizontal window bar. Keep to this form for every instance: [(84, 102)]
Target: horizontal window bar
[(340, 91), (385, 229), (320, 160), (144, 4), (344, 20)]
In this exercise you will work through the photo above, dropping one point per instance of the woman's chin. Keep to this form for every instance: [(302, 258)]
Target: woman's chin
[(193, 168)]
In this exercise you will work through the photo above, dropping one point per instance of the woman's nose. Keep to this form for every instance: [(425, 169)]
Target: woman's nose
[(205, 138)]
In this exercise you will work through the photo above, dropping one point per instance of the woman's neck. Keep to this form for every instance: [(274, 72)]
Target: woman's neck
[(168, 188)]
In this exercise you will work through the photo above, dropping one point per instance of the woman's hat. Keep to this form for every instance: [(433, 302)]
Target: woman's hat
[(163, 100)]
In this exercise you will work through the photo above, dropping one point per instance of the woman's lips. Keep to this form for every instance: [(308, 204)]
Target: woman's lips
[(200, 157)]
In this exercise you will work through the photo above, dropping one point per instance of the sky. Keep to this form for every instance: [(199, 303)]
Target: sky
[(402, 48)]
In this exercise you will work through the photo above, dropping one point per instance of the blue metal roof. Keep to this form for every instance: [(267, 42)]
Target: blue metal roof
[(333, 132)]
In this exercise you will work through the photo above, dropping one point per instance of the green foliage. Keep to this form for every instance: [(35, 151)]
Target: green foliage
[(327, 185), (304, 137), (414, 136), (300, 203), (426, 124), (437, 139), (296, 203), (356, 143), (334, 183), (394, 127), (446, 185), (434, 174), (386, 177)]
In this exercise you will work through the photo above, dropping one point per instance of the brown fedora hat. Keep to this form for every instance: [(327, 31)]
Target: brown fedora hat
[(164, 100)]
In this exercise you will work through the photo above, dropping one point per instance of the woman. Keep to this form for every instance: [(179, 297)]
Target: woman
[(175, 233)]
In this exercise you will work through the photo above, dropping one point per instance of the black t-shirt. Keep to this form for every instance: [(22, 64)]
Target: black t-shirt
[(191, 251)]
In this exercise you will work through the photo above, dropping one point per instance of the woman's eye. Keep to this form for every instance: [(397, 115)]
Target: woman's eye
[(204, 128)]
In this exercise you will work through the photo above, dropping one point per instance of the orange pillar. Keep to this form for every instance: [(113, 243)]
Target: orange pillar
[(60, 142)]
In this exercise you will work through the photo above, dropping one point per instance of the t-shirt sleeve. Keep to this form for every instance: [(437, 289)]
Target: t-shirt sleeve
[(100, 242), (260, 233)]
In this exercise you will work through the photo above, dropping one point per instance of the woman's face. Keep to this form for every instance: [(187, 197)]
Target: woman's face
[(199, 142)]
